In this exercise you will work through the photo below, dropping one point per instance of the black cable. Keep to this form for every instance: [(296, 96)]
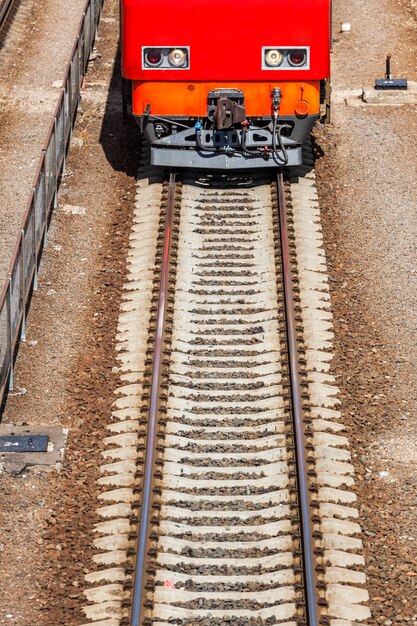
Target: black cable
[(246, 150), (282, 160)]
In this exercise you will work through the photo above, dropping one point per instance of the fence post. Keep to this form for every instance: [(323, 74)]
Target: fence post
[(23, 284), (45, 216), (55, 169), (35, 247), (70, 96), (92, 29), (35, 243), (64, 143), (10, 323)]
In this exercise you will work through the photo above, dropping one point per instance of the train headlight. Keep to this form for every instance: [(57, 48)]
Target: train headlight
[(153, 57), (297, 58), (178, 57), (273, 58)]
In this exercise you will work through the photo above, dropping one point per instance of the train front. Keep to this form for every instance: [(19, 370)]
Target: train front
[(225, 85)]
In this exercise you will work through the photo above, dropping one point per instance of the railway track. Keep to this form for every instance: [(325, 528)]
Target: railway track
[(229, 485), (233, 456)]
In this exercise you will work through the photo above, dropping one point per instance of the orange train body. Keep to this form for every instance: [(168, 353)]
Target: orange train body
[(189, 99)]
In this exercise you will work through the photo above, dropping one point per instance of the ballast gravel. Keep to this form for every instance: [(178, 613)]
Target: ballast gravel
[(367, 172)]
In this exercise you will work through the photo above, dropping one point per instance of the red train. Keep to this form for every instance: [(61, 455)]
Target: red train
[(225, 85)]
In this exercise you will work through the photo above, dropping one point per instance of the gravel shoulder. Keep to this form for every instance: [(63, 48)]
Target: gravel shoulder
[(367, 169), (46, 525)]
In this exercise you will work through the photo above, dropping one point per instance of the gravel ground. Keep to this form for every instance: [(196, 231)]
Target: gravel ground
[(369, 227), (367, 170), (29, 69), (46, 526)]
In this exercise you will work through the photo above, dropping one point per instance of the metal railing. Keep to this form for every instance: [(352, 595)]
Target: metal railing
[(22, 277)]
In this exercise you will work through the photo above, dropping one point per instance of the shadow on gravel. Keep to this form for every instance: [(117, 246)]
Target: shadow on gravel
[(120, 141), (318, 151)]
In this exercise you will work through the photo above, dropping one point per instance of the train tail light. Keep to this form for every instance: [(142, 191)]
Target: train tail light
[(297, 58), (153, 57)]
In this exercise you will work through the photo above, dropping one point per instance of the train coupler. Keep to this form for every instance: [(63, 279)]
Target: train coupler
[(226, 108)]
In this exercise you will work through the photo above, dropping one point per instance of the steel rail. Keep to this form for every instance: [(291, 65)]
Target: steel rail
[(5, 7), (137, 605), (307, 541)]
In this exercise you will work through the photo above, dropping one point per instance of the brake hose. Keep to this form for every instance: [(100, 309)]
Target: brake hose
[(246, 150), (199, 143), (276, 130)]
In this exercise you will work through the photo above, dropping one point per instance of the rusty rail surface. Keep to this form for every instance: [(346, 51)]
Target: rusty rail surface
[(137, 604), (307, 539), (22, 277)]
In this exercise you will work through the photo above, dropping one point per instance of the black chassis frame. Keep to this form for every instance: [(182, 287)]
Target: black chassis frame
[(221, 149), (182, 133)]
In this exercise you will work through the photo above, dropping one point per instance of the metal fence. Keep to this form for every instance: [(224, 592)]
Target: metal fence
[(22, 277), (5, 7)]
